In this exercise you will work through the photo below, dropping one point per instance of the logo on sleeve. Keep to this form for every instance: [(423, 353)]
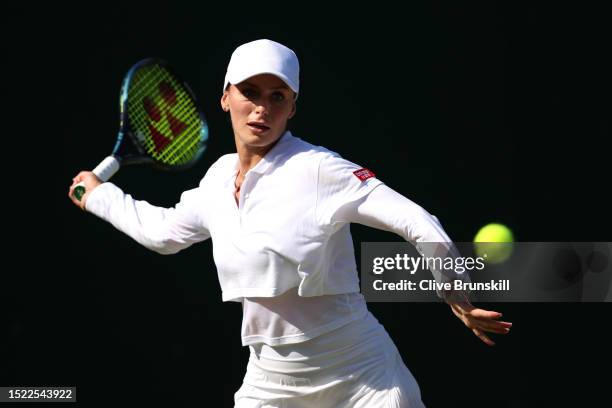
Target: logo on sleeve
[(364, 174)]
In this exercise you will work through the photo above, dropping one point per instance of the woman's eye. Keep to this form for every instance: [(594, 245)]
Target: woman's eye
[(248, 93), (278, 97)]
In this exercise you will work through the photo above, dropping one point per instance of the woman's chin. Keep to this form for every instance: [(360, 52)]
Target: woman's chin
[(259, 140)]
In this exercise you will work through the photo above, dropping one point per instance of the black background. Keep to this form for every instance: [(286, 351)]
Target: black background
[(478, 111)]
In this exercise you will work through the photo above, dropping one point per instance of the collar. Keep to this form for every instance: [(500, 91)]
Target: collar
[(270, 157)]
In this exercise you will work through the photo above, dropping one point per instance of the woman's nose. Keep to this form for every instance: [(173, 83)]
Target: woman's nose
[(262, 109)]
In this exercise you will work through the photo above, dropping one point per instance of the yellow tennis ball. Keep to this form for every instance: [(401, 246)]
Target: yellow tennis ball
[(493, 242)]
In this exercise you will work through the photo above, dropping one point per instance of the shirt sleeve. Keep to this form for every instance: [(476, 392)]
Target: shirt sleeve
[(385, 209), (340, 184), (163, 230)]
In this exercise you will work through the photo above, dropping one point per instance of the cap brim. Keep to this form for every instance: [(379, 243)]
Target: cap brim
[(238, 79)]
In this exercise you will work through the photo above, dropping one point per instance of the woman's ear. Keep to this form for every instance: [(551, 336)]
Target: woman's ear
[(293, 110), (225, 102)]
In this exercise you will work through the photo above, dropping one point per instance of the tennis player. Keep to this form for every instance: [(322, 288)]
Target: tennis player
[(278, 212)]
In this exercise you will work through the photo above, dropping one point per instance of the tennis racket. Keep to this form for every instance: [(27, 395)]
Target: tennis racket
[(160, 123)]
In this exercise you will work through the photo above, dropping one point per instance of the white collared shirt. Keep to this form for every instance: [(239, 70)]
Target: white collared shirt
[(288, 236), (281, 235)]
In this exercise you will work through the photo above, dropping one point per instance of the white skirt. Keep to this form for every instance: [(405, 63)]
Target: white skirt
[(354, 366)]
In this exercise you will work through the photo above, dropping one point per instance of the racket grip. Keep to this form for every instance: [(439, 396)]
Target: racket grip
[(104, 171)]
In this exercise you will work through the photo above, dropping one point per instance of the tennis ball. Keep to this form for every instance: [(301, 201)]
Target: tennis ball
[(493, 242)]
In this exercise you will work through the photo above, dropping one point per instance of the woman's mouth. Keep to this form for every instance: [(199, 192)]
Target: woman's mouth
[(258, 127)]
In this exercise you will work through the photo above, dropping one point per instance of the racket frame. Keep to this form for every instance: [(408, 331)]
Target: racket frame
[(132, 152), (123, 150)]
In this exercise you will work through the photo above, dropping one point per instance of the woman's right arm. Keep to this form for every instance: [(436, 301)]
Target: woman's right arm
[(163, 230)]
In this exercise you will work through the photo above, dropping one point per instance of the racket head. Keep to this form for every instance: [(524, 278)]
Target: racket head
[(160, 115)]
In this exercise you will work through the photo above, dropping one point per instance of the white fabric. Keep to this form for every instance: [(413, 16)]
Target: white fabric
[(263, 57), (354, 366), (273, 244), (163, 230), (290, 318), (388, 210), (282, 235), (290, 236)]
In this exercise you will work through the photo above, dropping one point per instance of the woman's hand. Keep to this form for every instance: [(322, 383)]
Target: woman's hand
[(480, 320), (90, 180)]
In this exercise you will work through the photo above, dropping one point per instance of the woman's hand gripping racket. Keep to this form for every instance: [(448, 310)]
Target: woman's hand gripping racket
[(160, 123)]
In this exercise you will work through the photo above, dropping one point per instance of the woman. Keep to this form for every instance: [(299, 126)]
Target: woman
[(278, 212)]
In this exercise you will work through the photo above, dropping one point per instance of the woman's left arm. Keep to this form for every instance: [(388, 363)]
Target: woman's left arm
[(385, 209)]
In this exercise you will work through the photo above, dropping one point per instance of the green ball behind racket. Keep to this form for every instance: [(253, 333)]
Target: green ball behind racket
[(493, 242)]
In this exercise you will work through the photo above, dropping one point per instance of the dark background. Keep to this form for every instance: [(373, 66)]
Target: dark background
[(478, 111)]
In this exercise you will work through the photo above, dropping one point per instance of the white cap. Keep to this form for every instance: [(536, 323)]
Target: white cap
[(263, 57)]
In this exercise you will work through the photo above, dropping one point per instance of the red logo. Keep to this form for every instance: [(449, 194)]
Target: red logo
[(156, 112), (364, 174)]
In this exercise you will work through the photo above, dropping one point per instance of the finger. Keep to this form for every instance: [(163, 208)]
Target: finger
[(71, 196), (492, 328), (483, 337), (74, 200), (488, 323), (83, 175), (485, 314), (491, 325)]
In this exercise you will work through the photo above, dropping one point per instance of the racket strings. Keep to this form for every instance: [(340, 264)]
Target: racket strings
[(143, 90), (165, 116), (176, 109), (165, 110)]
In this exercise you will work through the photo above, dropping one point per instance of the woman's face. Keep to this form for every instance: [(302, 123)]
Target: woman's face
[(259, 108)]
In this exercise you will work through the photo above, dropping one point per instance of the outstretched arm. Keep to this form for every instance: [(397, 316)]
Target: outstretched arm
[(385, 209), (164, 230)]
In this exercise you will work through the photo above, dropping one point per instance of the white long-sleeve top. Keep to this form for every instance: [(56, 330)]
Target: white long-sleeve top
[(285, 251)]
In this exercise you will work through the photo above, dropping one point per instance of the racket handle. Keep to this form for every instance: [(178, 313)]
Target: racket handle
[(104, 171)]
